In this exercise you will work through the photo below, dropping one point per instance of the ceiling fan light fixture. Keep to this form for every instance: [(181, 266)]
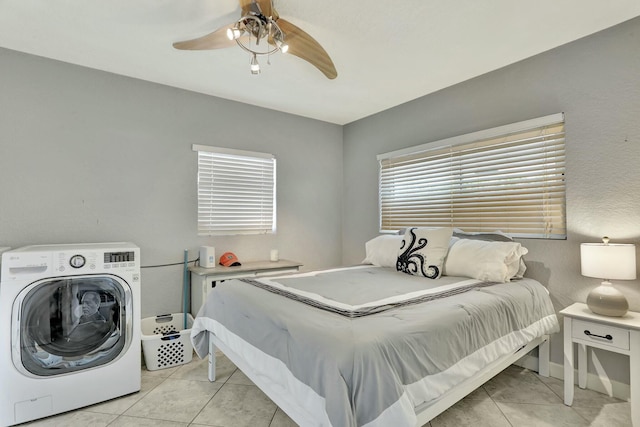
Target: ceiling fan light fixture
[(234, 33), (279, 41), (255, 67), (261, 32)]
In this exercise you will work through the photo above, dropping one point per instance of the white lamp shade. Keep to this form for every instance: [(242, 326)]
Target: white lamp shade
[(608, 261)]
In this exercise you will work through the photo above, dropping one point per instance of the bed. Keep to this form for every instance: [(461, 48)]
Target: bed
[(370, 345)]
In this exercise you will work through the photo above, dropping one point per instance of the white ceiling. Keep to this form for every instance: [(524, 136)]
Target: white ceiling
[(386, 52)]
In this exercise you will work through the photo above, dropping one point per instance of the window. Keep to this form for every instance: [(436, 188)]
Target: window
[(236, 191), (509, 178)]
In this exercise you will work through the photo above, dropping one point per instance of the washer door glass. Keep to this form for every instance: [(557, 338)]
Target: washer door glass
[(73, 323)]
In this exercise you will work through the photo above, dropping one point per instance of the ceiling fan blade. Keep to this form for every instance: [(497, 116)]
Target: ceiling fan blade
[(304, 46), (216, 40), (245, 5), (265, 6)]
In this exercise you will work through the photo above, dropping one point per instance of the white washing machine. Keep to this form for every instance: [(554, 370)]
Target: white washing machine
[(69, 328)]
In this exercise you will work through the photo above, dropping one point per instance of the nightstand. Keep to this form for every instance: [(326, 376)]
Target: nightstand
[(617, 334), (205, 279)]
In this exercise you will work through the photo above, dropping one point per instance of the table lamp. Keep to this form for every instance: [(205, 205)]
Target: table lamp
[(608, 261)]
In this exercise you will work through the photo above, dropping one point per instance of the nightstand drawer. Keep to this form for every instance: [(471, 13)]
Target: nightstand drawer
[(601, 334)]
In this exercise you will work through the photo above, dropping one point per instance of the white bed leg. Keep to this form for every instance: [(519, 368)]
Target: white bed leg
[(212, 359), (543, 357)]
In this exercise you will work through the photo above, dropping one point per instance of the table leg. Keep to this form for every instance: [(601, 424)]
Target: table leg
[(634, 384), (568, 362), (582, 366)]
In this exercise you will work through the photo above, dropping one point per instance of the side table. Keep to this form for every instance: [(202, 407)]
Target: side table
[(205, 279), (616, 334)]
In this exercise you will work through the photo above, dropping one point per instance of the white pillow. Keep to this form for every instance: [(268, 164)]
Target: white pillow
[(484, 260), (494, 236), (382, 250), (522, 267), (423, 251)]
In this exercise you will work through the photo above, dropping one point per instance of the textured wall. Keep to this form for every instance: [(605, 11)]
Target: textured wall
[(595, 81)]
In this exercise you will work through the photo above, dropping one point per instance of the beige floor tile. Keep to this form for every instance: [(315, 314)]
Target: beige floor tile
[(224, 367), (581, 397), (541, 415), (282, 420), (121, 404), (77, 418), (178, 396), (519, 385), (198, 369), (607, 415), (238, 406), (239, 377), (477, 394), (476, 411), (175, 400), (125, 421), (597, 408)]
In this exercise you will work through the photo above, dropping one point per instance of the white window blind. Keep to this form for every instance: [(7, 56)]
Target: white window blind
[(509, 178), (236, 191)]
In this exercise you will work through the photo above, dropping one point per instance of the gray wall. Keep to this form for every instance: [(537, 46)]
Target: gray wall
[(88, 156), (595, 81)]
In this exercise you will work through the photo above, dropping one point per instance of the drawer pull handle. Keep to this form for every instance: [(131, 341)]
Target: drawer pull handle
[(606, 337)]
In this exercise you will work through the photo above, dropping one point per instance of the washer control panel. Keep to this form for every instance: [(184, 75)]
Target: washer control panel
[(40, 260), (89, 260), (66, 261)]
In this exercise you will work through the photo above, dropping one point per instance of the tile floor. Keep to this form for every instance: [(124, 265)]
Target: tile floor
[(182, 396)]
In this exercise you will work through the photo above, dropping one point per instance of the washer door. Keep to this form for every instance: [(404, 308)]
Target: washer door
[(67, 324)]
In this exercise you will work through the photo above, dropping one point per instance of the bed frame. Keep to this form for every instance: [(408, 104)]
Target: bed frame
[(424, 412)]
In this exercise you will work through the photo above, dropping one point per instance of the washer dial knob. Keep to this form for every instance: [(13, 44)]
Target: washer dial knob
[(77, 261)]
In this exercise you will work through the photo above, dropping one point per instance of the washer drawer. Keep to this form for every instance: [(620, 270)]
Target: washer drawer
[(600, 334)]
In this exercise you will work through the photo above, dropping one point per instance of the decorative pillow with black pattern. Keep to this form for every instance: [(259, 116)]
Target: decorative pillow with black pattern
[(423, 251)]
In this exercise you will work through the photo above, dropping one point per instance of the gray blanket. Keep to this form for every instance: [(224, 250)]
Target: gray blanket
[(363, 366)]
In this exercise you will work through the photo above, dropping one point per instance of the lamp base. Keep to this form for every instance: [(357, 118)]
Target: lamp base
[(607, 301)]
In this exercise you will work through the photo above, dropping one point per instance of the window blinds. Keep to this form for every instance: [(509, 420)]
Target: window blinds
[(509, 178), (236, 191)]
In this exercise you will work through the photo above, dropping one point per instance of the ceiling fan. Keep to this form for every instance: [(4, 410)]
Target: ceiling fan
[(261, 23)]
